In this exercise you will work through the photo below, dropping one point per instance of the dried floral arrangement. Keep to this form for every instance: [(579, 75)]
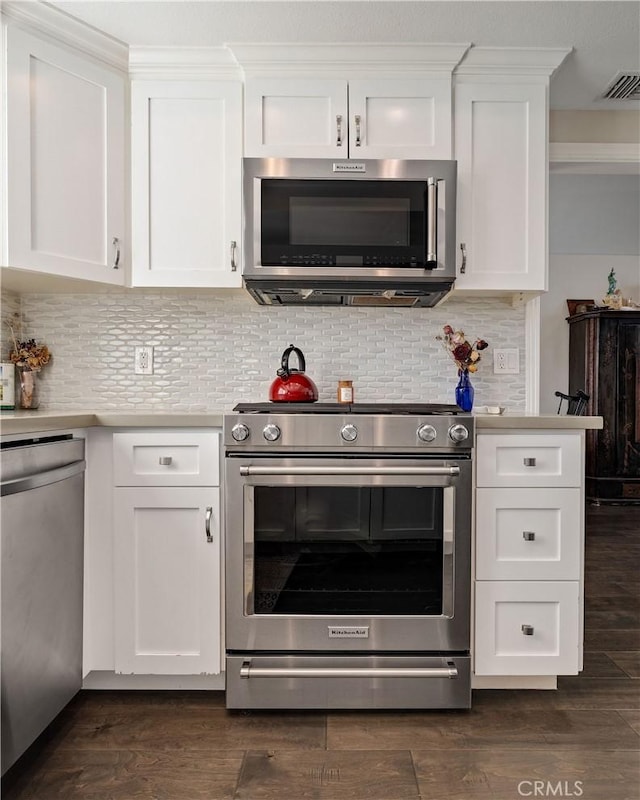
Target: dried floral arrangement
[(26, 353), (465, 355)]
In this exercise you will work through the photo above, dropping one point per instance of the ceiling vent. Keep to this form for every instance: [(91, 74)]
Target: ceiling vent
[(625, 86)]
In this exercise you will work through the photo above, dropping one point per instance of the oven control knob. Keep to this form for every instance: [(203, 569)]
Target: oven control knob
[(426, 433), (240, 432), (349, 433), (271, 432), (458, 433)]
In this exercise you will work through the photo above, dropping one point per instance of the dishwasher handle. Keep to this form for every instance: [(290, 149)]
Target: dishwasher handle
[(42, 478)]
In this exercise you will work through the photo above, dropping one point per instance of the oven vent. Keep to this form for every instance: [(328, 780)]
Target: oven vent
[(625, 86)]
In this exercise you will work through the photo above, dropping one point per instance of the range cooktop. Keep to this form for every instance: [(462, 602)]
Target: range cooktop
[(420, 409)]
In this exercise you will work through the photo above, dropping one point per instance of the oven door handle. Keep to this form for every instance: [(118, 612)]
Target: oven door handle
[(258, 470), (247, 670)]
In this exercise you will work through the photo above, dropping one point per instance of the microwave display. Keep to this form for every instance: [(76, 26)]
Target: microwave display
[(343, 222)]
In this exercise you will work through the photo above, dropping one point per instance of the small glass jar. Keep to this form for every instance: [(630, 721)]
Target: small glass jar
[(345, 391)]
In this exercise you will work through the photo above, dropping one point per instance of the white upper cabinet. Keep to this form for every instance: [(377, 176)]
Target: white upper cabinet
[(500, 133), (186, 183), (359, 118), (66, 162)]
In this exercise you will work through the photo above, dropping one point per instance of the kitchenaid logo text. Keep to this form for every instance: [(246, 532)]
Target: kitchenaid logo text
[(356, 166), (550, 789), (349, 633)]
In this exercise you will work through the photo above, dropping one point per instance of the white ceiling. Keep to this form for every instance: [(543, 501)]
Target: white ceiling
[(605, 34)]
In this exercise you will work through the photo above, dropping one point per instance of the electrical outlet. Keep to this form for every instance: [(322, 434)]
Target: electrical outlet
[(506, 361), (143, 363)]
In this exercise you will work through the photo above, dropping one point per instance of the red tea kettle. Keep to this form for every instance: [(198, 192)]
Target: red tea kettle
[(292, 385)]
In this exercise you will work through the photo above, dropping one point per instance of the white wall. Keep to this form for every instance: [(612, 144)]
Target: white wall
[(593, 228)]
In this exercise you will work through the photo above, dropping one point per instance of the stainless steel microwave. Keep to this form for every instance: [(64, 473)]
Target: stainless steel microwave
[(324, 232)]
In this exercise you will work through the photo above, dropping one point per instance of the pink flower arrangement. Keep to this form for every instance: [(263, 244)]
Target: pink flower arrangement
[(465, 355)]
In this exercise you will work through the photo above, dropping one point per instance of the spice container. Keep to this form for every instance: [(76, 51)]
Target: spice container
[(345, 391), (7, 386)]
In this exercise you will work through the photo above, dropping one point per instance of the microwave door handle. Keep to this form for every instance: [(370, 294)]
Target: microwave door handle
[(431, 256)]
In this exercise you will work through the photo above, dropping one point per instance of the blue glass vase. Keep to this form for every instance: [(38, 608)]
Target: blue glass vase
[(464, 391)]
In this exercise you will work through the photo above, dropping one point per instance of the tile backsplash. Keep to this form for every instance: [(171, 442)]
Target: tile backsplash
[(214, 350)]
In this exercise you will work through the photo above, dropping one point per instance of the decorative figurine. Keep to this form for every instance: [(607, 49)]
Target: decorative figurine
[(613, 297)]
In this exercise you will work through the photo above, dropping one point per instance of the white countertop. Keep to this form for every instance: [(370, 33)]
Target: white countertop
[(12, 422)]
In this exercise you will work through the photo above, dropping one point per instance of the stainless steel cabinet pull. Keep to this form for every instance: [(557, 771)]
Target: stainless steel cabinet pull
[(207, 524), (463, 250), (116, 244), (339, 130), (234, 266), (249, 671), (528, 536), (527, 630), (165, 461), (529, 462), (448, 471), (431, 256), (358, 137)]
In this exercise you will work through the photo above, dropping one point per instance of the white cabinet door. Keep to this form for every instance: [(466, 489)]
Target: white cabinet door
[(527, 628), (528, 534), (167, 581), (186, 183), (335, 118), (65, 172), (391, 118), (500, 146), (296, 118)]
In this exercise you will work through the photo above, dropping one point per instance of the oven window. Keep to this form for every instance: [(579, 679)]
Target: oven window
[(348, 550)]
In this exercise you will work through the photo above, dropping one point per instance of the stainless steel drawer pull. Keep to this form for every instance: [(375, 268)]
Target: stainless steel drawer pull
[(448, 471), (339, 130), (528, 536), (529, 462), (249, 671), (165, 461), (207, 524), (527, 630), (358, 131), (463, 250)]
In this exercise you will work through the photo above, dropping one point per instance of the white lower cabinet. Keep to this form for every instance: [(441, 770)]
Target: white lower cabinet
[(527, 628), (167, 614), (529, 553)]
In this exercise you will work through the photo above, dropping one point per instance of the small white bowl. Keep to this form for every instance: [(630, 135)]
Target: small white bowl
[(491, 410)]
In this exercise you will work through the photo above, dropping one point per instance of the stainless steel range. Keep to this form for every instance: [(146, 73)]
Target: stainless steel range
[(348, 535)]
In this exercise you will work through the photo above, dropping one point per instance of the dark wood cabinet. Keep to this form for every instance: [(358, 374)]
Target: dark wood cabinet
[(604, 361)]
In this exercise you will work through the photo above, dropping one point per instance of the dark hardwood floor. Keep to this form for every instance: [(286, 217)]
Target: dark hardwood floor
[(580, 741)]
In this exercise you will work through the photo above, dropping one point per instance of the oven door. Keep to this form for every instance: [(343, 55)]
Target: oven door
[(348, 554)]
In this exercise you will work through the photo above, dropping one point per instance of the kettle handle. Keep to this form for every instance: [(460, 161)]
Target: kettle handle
[(284, 370)]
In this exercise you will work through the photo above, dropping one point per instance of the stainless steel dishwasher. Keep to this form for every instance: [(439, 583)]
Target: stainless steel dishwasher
[(42, 516)]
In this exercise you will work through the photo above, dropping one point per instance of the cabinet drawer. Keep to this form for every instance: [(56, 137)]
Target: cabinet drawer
[(528, 534), (166, 459), (529, 460), (527, 628)]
